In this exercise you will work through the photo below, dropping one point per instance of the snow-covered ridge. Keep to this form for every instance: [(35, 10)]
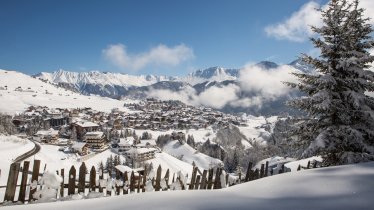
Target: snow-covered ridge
[(102, 78), (125, 80)]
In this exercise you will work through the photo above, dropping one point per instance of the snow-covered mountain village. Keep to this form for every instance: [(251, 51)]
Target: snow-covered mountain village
[(287, 124)]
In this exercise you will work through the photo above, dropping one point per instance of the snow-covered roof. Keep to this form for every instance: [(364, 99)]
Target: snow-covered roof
[(86, 124), (95, 133), (78, 145), (140, 150), (126, 141), (124, 169), (51, 131)]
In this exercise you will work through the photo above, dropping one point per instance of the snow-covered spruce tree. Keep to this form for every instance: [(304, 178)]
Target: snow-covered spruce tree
[(340, 122)]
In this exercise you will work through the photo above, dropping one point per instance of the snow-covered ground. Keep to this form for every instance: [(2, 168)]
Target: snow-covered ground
[(255, 130), (37, 92), (188, 154), (169, 162), (10, 148), (344, 188)]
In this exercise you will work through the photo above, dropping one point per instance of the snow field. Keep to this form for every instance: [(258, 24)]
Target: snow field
[(344, 187)]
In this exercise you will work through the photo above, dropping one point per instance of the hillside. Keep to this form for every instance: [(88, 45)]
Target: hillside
[(19, 91), (344, 187), (188, 154)]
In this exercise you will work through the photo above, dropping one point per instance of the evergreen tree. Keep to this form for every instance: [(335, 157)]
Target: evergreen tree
[(191, 141), (340, 118), (73, 135)]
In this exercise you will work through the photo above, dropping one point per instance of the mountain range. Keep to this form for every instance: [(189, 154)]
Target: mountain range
[(119, 85)]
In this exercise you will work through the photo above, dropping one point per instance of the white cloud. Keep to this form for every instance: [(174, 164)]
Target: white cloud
[(297, 27), (187, 96), (267, 82), (218, 97), (160, 55), (368, 5), (261, 85), (215, 97)]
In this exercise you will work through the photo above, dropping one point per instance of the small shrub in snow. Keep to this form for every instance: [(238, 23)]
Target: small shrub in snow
[(51, 182)]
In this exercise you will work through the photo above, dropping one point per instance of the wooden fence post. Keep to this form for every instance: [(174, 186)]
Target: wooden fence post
[(34, 178), (210, 178), (12, 182), (167, 178), (315, 164), (82, 178), (193, 178), (217, 181), (299, 167), (256, 174), (158, 179), (118, 179), (308, 166), (22, 190), (281, 170), (247, 175), (144, 178), (62, 184), (132, 182), (139, 181), (92, 187), (262, 170), (125, 183), (197, 182), (203, 180), (71, 184), (266, 168)]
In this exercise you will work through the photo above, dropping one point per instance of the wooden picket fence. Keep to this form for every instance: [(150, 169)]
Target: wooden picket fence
[(85, 181)]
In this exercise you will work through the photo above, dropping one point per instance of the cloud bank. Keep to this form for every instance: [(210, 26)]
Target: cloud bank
[(160, 55), (255, 86), (297, 27)]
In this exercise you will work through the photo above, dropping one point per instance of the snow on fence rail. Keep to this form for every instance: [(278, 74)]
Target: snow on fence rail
[(52, 186)]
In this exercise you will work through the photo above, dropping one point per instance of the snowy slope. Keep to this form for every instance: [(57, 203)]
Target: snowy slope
[(10, 148), (169, 162), (344, 187), (189, 155), (256, 129), (37, 92)]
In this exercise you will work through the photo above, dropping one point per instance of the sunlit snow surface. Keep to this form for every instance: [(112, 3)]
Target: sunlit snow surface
[(344, 188)]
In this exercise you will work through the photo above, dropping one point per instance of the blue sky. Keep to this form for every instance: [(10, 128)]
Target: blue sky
[(171, 37)]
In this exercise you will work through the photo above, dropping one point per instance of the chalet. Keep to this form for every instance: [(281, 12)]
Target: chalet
[(80, 147), (124, 145), (46, 136), (138, 155), (95, 140), (85, 126)]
